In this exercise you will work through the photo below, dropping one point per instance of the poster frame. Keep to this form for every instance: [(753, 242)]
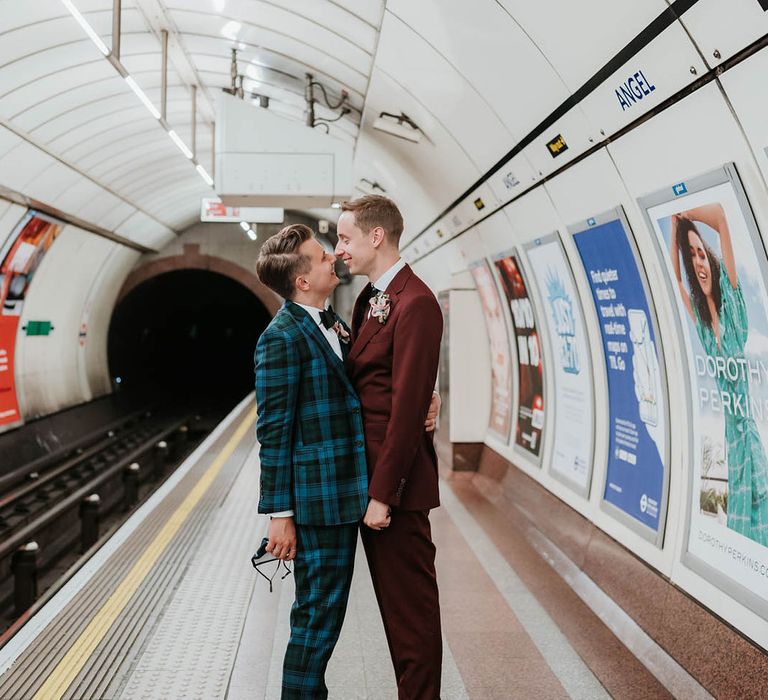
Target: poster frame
[(5, 248), (512, 352), (536, 460), (539, 301), (720, 176), (655, 537)]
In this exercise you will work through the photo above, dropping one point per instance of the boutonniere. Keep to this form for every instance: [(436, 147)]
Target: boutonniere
[(341, 332), (380, 306)]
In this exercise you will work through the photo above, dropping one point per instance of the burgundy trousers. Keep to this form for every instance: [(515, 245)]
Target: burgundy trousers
[(402, 562)]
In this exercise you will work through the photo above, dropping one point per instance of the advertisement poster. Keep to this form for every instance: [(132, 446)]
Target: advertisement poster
[(21, 255), (501, 365), (574, 417), (637, 475), (444, 370), (530, 411), (716, 268)]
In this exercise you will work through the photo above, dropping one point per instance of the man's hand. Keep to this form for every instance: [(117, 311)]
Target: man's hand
[(377, 517), (282, 538), (433, 412)]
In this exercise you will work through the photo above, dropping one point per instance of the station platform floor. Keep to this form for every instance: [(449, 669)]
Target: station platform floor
[(170, 607)]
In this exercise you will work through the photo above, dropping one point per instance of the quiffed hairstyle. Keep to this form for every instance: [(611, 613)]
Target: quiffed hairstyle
[(279, 261), (374, 210)]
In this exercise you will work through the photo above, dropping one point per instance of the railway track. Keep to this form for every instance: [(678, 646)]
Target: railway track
[(54, 510)]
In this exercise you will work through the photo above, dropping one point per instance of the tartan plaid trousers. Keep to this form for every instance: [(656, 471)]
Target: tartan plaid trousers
[(323, 569)]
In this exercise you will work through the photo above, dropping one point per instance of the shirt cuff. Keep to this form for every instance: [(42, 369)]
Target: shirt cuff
[(282, 514)]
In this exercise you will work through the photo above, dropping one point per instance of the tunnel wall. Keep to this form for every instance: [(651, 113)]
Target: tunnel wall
[(704, 113), (222, 248), (74, 288)]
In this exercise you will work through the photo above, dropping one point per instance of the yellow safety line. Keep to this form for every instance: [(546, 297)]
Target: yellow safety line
[(67, 669)]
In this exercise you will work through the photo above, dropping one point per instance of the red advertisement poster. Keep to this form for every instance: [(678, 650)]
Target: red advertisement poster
[(9, 409), (21, 257), (530, 412)]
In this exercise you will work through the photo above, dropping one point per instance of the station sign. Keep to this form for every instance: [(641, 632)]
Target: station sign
[(634, 89), (215, 211), (557, 145)]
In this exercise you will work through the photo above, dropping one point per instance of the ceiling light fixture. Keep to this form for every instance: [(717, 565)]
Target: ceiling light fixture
[(89, 30), (203, 174), (142, 96), (182, 146), (251, 234), (245, 226), (115, 61), (400, 125)]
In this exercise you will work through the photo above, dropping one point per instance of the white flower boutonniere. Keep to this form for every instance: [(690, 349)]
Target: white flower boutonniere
[(380, 306), (341, 332)]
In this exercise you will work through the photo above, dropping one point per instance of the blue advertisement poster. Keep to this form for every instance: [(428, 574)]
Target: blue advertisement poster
[(636, 478)]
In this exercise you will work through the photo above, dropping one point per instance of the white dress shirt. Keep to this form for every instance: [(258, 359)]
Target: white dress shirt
[(329, 333), (386, 279), (333, 341)]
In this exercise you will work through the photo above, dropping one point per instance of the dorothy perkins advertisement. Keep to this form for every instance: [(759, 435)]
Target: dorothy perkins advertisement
[(574, 423), (501, 365), (716, 268), (530, 411), (637, 477)]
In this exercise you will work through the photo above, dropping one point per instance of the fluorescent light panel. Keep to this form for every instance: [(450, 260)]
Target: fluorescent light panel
[(142, 96), (182, 146), (245, 226), (203, 174), (95, 38), (251, 234)]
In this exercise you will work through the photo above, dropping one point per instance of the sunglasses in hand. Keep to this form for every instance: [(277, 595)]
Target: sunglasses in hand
[(260, 552)]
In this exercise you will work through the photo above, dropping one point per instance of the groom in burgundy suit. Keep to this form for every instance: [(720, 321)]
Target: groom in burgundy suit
[(393, 362)]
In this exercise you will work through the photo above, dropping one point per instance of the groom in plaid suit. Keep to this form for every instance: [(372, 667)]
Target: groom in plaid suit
[(314, 479)]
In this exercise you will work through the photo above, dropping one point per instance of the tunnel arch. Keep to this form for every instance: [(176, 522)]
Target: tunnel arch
[(192, 259), (186, 335)]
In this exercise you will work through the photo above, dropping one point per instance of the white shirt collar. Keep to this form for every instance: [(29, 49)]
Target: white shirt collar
[(313, 311), (386, 279)]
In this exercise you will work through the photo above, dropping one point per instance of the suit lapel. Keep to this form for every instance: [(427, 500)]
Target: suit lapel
[(312, 331), (372, 326)]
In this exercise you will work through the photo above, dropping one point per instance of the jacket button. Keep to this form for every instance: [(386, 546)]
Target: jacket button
[(359, 443)]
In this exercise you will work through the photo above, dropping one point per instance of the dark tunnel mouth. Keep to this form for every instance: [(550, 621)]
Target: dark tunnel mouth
[(186, 336)]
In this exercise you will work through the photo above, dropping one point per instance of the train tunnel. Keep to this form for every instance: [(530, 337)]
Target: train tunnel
[(584, 192), (188, 335)]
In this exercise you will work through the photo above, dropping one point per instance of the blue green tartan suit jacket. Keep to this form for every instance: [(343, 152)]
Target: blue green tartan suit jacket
[(309, 425)]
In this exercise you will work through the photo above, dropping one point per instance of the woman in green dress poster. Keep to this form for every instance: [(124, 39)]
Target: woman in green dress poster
[(717, 308)]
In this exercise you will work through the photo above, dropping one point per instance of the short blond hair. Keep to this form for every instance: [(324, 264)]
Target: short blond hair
[(374, 210)]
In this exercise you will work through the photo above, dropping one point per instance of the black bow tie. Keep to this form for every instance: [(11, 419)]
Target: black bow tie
[(328, 317), (374, 291)]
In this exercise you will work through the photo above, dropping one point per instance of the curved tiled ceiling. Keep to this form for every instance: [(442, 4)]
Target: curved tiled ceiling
[(61, 94)]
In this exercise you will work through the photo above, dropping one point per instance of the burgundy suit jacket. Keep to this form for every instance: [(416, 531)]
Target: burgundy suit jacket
[(393, 366)]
